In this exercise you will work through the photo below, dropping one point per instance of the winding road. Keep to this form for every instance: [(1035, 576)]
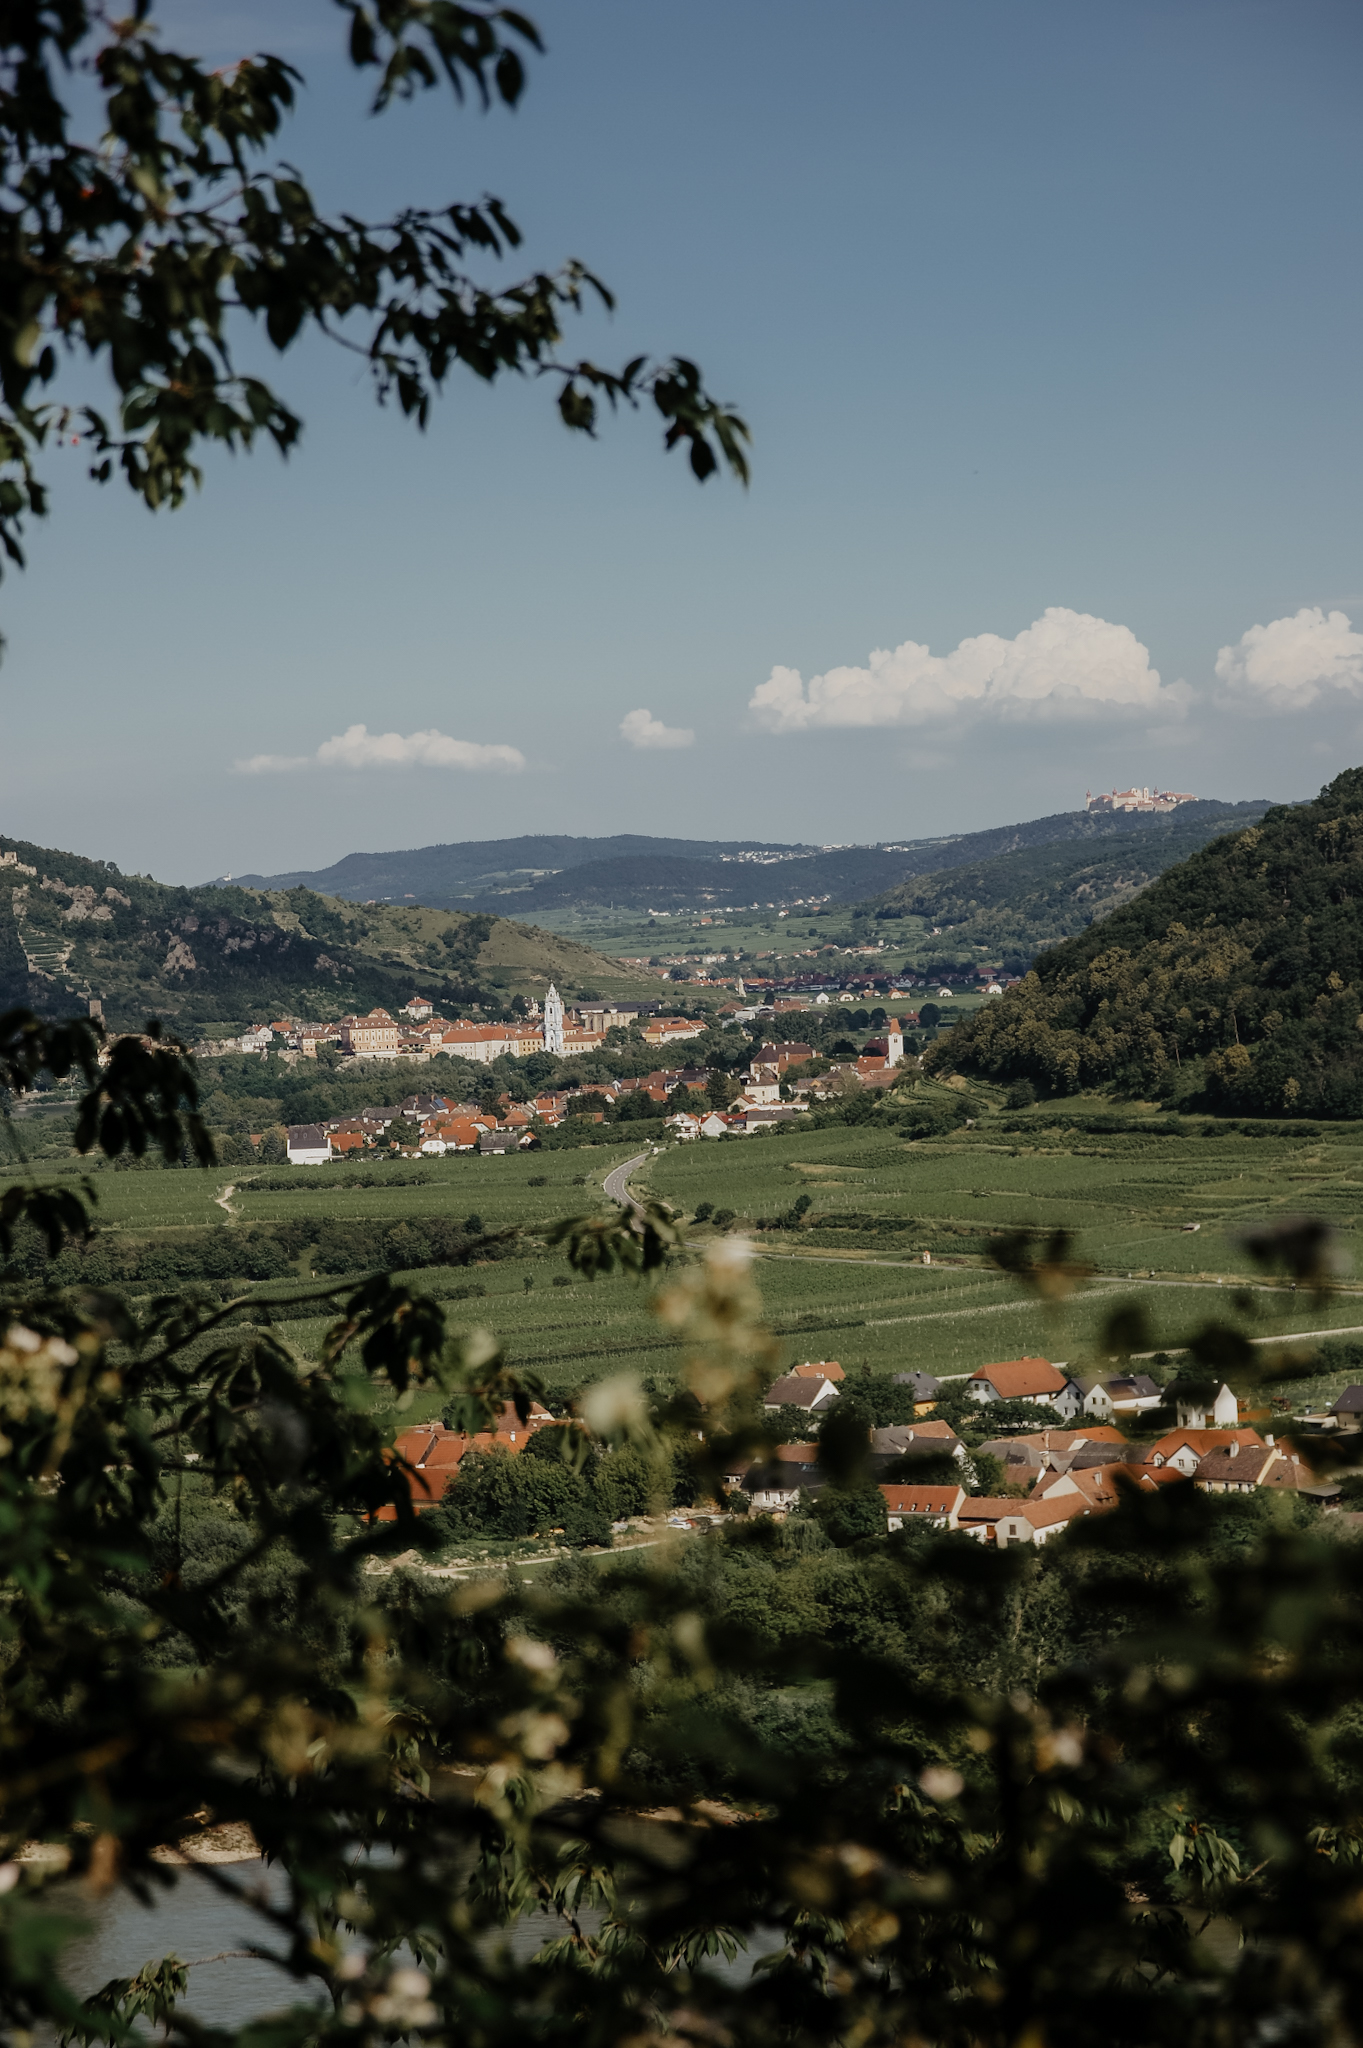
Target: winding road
[(616, 1183)]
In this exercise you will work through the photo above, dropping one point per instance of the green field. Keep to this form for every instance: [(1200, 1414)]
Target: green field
[(850, 1284)]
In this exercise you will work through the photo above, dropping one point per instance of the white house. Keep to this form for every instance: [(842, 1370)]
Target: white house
[(1133, 1393), (1196, 1411), (1096, 1401), (1019, 1379), (308, 1145), (797, 1391), (258, 1039)]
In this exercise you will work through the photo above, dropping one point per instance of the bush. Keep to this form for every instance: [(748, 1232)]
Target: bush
[(722, 1218)]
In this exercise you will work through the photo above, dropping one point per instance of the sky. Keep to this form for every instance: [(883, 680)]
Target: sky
[(1045, 316)]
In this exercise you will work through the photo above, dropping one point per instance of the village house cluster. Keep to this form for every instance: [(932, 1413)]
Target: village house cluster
[(680, 1096), (418, 1034), (1055, 1476)]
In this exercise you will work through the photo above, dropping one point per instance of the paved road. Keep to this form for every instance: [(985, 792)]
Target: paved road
[(616, 1183)]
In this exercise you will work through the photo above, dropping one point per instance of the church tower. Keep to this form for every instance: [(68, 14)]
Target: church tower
[(553, 1020)]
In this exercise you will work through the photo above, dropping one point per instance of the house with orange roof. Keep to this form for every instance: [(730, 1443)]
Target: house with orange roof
[(373, 1037), (1017, 1379), (820, 1369), (1241, 1468), (1186, 1448), (669, 1030), (1001, 1522), (924, 1507), (453, 1134)]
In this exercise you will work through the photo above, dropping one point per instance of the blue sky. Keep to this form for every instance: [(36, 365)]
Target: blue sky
[(1040, 312)]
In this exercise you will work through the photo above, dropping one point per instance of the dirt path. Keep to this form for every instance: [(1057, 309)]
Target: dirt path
[(224, 1200)]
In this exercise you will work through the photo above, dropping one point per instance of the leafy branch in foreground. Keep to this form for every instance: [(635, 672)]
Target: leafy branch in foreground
[(602, 1756), (146, 248)]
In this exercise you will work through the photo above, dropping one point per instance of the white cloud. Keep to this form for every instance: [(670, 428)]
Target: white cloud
[(1065, 665), (357, 747), (1290, 663), (642, 729)]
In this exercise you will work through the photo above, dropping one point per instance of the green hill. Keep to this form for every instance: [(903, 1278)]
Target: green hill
[(1012, 905), (1234, 982), (217, 958)]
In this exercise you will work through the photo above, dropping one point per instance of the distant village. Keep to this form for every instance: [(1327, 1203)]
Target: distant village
[(774, 1090), (1052, 1475)]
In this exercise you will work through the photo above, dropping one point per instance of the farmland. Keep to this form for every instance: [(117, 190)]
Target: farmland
[(849, 1281)]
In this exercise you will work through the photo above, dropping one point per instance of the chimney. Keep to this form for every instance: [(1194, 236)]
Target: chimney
[(1234, 1448)]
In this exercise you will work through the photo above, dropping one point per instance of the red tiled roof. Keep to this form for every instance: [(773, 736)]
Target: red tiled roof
[(1016, 1378), (921, 1500), (1201, 1441)]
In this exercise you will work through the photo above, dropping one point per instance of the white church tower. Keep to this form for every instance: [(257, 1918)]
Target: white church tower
[(553, 1020)]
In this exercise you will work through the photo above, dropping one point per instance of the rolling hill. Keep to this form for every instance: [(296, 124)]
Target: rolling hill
[(1234, 982), (518, 877), (211, 958), (1013, 905)]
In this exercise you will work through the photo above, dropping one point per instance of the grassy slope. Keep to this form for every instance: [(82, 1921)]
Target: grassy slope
[(224, 957)]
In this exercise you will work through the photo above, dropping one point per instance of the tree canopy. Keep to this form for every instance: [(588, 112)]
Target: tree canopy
[(153, 243), (1234, 982)]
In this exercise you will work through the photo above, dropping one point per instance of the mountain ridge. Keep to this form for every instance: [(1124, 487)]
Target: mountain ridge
[(516, 877)]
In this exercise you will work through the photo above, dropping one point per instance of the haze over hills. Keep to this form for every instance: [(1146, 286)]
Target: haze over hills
[(71, 927), (519, 877)]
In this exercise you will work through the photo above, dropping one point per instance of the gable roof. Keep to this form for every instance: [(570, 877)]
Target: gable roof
[(1200, 1442), (1044, 1514), (823, 1369), (1016, 1378), (793, 1392), (922, 1500), (987, 1507), (1350, 1402)]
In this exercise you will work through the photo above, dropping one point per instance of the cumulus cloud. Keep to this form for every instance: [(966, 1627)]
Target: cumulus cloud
[(642, 729), (1291, 663), (357, 747), (1065, 665)]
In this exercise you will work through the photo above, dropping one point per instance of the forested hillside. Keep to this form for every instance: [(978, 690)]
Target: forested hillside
[(1013, 904), (71, 928), (1234, 982)]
